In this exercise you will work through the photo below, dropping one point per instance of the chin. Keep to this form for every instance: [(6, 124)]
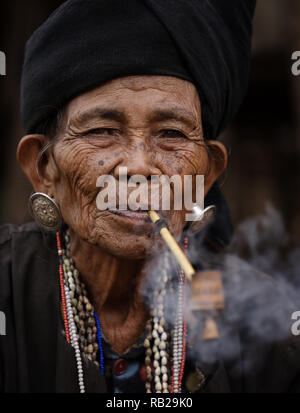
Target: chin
[(128, 248)]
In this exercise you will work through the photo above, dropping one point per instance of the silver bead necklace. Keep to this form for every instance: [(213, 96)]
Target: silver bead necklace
[(83, 329)]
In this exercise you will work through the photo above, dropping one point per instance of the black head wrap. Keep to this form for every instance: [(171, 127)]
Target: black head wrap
[(85, 43)]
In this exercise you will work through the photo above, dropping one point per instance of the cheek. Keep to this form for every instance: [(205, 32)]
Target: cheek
[(187, 163), (195, 162), (80, 166), (192, 160), (189, 159)]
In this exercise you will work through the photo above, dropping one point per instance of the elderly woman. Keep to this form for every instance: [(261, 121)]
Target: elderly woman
[(90, 297)]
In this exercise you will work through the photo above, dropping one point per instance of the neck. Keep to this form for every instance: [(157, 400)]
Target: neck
[(113, 284)]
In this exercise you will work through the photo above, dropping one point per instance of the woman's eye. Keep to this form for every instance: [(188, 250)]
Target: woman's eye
[(103, 131), (171, 133)]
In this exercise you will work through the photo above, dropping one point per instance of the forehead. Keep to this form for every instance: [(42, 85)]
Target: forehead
[(140, 92)]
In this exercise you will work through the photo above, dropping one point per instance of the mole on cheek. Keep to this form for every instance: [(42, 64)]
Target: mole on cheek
[(101, 163)]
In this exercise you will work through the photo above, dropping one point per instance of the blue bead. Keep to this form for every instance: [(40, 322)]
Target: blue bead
[(99, 343)]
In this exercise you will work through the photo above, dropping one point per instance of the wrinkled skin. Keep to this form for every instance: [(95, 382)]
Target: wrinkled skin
[(149, 124)]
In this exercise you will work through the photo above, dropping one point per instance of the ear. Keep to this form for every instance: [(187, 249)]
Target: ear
[(218, 163), (38, 166)]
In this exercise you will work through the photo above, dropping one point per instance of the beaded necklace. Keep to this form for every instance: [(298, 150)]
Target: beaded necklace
[(83, 329)]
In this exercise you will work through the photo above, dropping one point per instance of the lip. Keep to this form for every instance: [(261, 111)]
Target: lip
[(139, 215)]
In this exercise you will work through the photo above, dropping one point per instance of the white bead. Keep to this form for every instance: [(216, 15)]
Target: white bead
[(158, 386), (164, 361), (162, 321), (165, 377), (157, 356), (157, 341), (163, 369), (164, 336), (162, 345), (157, 371)]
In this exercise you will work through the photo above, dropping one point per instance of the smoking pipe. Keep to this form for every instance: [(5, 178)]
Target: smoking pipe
[(206, 286)]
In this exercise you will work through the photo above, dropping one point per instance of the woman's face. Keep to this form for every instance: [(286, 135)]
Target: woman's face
[(149, 124)]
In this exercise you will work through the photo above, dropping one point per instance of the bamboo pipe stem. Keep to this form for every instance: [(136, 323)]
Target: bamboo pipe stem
[(174, 247)]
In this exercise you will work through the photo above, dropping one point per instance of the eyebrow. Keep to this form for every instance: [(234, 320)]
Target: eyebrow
[(101, 113), (174, 113), (157, 115)]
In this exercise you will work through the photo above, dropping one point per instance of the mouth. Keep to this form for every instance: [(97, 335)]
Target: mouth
[(139, 215)]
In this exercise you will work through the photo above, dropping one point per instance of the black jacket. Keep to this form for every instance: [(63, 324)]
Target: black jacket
[(35, 357)]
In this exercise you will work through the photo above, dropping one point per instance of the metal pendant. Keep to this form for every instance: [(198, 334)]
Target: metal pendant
[(45, 211), (202, 217)]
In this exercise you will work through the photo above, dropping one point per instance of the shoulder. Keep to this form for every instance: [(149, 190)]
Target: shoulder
[(7, 231), (24, 250), (25, 238), (16, 243)]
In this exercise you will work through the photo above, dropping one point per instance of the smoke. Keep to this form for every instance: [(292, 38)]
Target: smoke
[(261, 285)]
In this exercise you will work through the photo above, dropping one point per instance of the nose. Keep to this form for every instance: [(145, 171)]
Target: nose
[(138, 160)]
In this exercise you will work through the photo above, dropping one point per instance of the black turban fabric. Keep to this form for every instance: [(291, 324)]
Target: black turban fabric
[(87, 42)]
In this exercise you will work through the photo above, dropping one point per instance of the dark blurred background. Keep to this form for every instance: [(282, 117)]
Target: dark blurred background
[(263, 141)]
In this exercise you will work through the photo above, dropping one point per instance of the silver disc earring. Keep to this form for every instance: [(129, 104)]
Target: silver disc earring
[(202, 217), (45, 211)]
